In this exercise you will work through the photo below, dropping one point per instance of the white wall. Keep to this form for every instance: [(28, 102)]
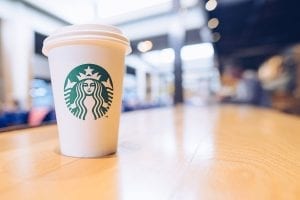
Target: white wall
[(13, 10), (16, 46), (18, 24)]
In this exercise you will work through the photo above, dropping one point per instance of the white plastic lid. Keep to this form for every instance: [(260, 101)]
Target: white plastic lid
[(85, 32)]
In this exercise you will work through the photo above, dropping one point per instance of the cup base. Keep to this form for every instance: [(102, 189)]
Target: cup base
[(86, 155)]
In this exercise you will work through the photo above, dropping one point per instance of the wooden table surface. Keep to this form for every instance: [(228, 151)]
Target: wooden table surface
[(218, 152)]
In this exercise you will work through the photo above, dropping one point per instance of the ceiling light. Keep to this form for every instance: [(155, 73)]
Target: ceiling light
[(197, 51), (211, 5), (145, 46), (164, 57), (216, 36), (213, 23), (167, 55)]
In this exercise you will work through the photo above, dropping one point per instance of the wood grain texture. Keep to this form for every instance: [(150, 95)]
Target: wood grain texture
[(218, 152)]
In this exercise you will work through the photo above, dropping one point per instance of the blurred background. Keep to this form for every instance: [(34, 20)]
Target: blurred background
[(197, 52)]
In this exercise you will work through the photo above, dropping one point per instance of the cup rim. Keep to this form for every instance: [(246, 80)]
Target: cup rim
[(85, 32)]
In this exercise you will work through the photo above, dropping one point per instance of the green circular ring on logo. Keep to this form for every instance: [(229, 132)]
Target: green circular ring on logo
[(88, 81)]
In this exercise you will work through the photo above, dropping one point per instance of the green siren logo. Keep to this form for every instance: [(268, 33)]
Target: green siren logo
[(88, 91)]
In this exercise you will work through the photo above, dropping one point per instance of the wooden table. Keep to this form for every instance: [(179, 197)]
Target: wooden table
[(217, 152)]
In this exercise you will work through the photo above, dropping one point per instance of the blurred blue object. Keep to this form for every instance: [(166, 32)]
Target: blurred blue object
[(3, 121), (41, 93), (13, 118), (50, 117)]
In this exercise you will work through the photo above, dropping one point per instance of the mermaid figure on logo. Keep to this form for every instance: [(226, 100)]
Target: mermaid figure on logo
[(88, 85)]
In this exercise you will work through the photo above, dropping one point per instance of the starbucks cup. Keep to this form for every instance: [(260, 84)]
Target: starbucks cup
[(87, 69)]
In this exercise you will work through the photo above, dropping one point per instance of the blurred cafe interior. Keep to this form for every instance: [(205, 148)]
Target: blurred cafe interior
[(195, 52), (210, 106)]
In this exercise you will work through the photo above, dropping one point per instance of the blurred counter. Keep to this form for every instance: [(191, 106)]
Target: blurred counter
[(218, 152)]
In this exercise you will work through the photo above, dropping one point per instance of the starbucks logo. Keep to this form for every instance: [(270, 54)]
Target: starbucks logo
[(88, 91)]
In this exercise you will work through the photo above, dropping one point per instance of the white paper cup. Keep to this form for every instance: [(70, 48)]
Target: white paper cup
[(87, 69)]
